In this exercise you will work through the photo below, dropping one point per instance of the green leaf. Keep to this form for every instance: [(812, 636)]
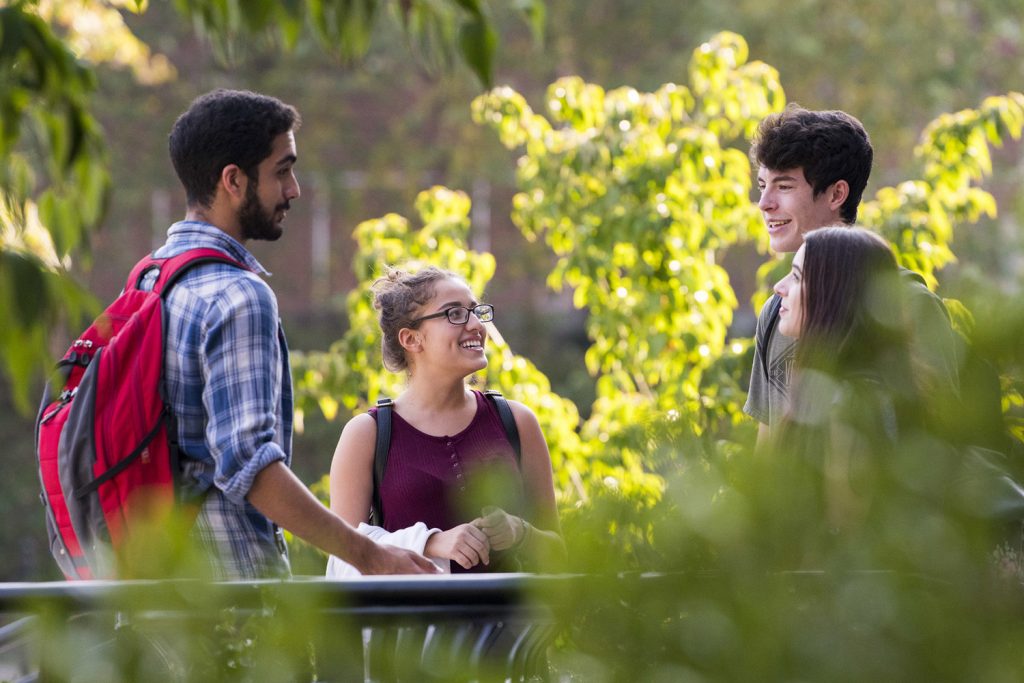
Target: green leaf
[(30, 299), (478, 42)]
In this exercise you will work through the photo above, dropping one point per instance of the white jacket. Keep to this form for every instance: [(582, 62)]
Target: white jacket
[(411, 538)]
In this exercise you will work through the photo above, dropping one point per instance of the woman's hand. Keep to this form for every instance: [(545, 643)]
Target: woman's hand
[(503, 530), (465, 544)]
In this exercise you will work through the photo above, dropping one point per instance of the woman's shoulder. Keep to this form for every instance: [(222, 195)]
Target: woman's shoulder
[(362, 425)]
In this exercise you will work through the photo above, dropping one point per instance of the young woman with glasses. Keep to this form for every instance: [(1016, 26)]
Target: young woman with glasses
[(452, 489)]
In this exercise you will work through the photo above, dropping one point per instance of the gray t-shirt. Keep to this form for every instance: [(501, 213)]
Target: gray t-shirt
[(769, 382), (936, 348)]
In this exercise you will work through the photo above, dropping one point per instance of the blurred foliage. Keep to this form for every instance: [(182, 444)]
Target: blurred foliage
[(54, 169), (918, 216), (195, 631), (780, 566), (54, 187), (439, 32), (97, 33)]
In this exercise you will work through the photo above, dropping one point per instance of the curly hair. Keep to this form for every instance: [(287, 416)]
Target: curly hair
[(396, 297), (221, 128), (828, 145)]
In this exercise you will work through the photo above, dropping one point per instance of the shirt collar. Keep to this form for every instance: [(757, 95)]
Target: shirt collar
[(192, 234)]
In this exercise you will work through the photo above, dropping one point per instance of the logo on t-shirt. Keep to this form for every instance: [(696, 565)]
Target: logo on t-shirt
[(780, 367)]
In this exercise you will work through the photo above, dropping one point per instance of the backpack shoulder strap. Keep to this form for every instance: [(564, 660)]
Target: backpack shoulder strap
[(172, 268), (774, 304), (508, 421), (380, 455)]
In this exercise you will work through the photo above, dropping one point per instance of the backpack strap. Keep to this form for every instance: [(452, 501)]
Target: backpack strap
[(774, 304), (508, 421), (173, 267), (169, 271), (380, 455)]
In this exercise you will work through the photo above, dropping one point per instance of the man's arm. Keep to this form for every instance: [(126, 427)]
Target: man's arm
[(242, 354), (278, 494)]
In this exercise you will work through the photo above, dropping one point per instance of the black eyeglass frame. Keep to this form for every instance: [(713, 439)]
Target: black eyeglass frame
[(485, 316)]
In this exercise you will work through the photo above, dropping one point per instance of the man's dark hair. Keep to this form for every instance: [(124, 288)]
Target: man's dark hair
[(828, 146), (221, 128)]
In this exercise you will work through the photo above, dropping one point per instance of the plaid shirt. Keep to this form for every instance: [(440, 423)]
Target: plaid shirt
[(229, 384)]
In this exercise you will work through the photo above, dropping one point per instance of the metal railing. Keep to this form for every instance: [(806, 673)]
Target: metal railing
[(475, 628)]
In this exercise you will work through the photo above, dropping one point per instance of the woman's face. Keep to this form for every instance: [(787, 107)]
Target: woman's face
[(790, 288), (457, 346)]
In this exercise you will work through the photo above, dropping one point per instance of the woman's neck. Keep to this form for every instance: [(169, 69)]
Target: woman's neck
[(435, 408), (438, 395)]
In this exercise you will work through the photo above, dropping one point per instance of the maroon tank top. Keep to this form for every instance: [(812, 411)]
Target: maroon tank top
[(444, 481)]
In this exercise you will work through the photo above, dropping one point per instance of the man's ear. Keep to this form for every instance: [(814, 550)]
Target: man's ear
[(838, 194), (234, 181), (410, 339)]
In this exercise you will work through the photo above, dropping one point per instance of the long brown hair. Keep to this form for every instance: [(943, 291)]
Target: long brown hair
[(851, 303), (854, 322)]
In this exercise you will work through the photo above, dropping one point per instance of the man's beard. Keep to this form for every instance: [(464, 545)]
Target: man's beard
[(256, 223)]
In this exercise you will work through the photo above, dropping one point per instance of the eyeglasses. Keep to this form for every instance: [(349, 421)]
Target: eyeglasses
[(459, 315)]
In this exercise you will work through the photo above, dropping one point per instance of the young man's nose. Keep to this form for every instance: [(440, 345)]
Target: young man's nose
[(766, 201)]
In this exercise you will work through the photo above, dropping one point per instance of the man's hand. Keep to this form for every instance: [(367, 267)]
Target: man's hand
[(465, 544), (278, 494), (502, 529), (387, 559)]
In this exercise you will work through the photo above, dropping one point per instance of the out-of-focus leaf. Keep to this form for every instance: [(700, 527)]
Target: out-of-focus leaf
[(478, 42), (438, 30), (31, 301)]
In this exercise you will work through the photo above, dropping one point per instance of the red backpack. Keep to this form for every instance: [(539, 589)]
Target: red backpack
[(106, 442)]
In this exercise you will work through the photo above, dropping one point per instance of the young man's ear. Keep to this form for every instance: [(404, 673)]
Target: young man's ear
[(838, 194), (410, 339), (234, 181)]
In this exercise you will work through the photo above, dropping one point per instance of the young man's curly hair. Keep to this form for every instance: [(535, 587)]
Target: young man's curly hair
[(828, 146)]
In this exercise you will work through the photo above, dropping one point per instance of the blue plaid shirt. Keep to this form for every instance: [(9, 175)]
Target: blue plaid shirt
[(229, 384)]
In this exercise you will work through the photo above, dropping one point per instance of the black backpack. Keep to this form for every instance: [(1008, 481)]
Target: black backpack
[(380, 454)]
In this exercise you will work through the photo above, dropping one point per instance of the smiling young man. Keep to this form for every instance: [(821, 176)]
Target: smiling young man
[(228, 379), (812, 168)]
